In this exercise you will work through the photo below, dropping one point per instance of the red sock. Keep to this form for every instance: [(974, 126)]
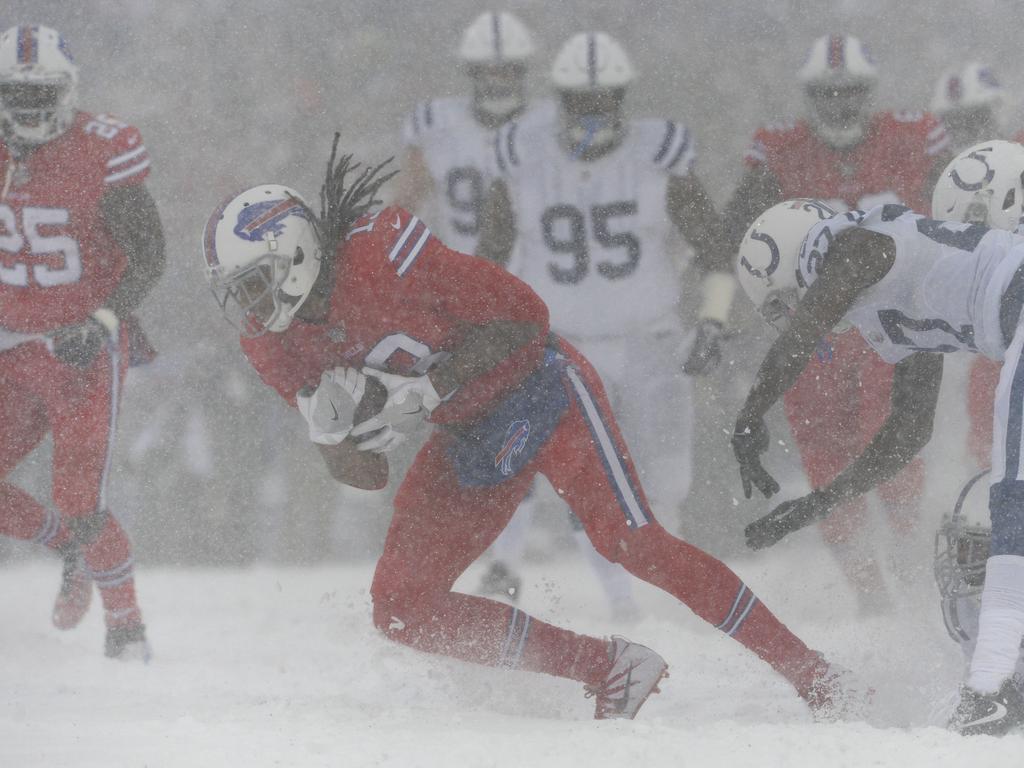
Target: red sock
[(770, 639), (494, 634), (110, 560), (22, 517)]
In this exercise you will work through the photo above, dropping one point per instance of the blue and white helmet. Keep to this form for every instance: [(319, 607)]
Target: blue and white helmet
[(984, 184), (263, 256), (38, 85), (766, 264)]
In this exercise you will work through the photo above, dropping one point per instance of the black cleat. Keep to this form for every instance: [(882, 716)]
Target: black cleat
[(128, 643), (988, 714), (75, 590)]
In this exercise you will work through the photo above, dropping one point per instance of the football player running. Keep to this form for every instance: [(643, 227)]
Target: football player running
[(844, 153), (80, 248), (914, 288), (591, 200), (366, 322), (982, 185)]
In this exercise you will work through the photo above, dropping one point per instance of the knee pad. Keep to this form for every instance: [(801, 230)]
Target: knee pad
[(85, 530), (1006, 508)]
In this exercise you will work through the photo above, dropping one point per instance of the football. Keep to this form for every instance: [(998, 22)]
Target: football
[(375, 397)]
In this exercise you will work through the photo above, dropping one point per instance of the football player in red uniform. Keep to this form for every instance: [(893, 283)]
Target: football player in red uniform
[(80, 246), (849, 157), (374, 322)]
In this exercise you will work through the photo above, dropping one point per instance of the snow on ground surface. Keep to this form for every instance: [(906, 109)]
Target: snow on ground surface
[(276, 666)]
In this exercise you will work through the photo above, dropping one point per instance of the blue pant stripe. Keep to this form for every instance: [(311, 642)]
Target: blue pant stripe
[(619, 477)]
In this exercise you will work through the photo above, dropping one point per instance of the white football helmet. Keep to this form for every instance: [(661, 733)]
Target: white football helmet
[(961, 552), (767, 259), (263, 256), (590, 73), (984, 184), (839, 79), (969, 101), (496, 49), (38, 85)]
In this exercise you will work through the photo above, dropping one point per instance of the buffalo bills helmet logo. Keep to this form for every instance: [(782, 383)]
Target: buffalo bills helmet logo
[(516, 435), (255, 221)]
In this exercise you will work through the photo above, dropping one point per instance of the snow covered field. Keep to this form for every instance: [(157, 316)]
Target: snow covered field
[(281, 667)]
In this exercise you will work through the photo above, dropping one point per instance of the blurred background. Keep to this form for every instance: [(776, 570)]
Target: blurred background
[(212, 468)]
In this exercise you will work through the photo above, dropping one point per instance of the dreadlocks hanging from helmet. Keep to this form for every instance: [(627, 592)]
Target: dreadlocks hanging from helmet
[(341, 206)]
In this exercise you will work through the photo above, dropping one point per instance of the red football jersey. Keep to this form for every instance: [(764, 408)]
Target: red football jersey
[(891, 164), (401, 301), (58, 261)]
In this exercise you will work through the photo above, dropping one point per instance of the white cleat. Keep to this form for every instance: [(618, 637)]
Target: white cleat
[(634, 676)]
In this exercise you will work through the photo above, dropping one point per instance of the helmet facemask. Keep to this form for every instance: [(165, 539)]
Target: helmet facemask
[(252, 299), (962, 546), (38, 86), (592, 121), (499, 91), (839, 112)]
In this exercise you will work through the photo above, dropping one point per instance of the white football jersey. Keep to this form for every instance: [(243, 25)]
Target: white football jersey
[(943, 290), (592, 236), (458, 153)]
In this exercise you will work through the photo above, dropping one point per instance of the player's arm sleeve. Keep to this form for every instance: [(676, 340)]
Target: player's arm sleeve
[(757, 191), (857, 260), (915, 393), (131, 216), (504, 323), (497, 225), (693, 213)]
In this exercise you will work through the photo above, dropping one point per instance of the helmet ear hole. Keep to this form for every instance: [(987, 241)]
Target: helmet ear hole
[(1009, 199), (300, 256)]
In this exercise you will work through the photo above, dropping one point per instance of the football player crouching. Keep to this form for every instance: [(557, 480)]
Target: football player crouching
[(328, 303)]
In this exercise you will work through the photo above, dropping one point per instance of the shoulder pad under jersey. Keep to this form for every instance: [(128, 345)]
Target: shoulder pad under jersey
[(669, 145)]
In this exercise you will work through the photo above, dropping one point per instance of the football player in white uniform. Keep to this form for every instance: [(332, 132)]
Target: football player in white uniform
[(591, 201), (986, 172), (913, 287), (450, 140), (970, 101)]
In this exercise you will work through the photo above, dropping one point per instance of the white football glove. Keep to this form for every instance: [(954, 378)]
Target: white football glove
[(409, 397), (387, 438), (329, 408)]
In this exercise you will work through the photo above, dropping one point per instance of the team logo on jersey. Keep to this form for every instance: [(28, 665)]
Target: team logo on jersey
[(516, 435), (257, 220)]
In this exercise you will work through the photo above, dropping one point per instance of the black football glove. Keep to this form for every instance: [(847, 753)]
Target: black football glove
[(749, 441), (706, 352), (79, 344), (789, 516)]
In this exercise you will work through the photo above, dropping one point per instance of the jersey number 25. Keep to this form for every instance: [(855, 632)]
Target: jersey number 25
[(41, 246)]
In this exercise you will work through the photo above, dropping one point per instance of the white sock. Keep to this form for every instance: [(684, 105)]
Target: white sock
[(1000, 625)]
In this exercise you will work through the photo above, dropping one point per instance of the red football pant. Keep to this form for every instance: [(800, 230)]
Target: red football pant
[(439, 528), (981, 395), (835, 409), (79, 406)]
